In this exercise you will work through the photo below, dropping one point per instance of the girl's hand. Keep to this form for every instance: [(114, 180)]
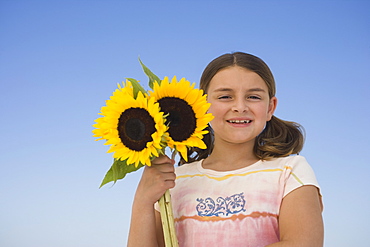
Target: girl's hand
[(156, 179), (154, 182)]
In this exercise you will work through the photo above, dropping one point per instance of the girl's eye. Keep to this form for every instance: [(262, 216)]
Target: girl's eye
[(254, 97), (224, 97)]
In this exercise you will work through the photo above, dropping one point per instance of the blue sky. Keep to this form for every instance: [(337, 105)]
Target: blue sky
[(60, 61)]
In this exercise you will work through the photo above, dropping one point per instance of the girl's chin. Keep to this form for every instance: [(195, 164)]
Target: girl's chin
[(239, 141)]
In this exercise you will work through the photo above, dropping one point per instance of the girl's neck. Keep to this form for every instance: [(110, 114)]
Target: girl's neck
[(230, 156)]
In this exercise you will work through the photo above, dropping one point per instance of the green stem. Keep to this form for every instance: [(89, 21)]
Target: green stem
[(167, 218), (171, 222), (174, 154), (164, 218)]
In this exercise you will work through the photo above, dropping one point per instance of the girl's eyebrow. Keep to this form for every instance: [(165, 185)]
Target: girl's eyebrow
[(230, 90), (223, 90), (257, 90)]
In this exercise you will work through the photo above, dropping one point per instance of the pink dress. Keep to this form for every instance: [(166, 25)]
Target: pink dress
[(235, 208)]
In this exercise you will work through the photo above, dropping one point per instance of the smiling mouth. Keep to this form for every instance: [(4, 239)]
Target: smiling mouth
[(239, 121)]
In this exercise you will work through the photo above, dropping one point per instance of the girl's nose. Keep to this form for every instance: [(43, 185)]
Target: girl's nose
[(239, 106)]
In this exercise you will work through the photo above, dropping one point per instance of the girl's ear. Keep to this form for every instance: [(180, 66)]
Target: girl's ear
[(272, 108)]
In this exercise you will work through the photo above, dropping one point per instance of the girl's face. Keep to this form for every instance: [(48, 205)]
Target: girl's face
[(240, 104)]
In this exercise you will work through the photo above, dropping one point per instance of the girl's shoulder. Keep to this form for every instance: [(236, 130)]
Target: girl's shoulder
[(291, 162), (295, 164), (292, 159)]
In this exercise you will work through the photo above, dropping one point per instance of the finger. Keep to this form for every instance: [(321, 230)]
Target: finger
[(160, 172), (170, 184), (163, 159), (166, 168), (169, 176)]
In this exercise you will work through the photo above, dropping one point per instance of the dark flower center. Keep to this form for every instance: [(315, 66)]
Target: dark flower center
[(135, 128), (181, 118)]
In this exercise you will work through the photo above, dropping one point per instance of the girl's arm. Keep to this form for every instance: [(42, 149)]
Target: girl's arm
[(300, 219), (146, 228)]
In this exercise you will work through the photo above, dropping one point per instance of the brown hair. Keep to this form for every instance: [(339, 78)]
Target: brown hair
[(279, 138)]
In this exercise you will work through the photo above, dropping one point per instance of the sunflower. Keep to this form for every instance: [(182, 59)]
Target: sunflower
[(186, 113), (134, 127)]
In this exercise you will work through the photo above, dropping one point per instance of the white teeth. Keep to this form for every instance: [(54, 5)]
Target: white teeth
[(239, 121)]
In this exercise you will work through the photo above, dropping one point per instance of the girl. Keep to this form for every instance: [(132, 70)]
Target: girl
[(248, 188)]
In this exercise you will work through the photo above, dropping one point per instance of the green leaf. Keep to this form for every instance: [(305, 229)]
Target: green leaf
[(118, 170), (137, 87), (150, 74)]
